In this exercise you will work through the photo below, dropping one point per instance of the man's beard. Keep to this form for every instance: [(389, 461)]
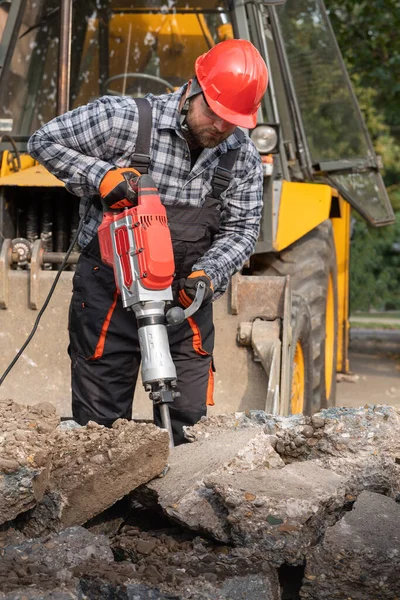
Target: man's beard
[(202, 139), (205, 138)]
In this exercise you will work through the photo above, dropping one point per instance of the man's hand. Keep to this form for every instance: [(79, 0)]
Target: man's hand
[(118, 188), (188, 288)]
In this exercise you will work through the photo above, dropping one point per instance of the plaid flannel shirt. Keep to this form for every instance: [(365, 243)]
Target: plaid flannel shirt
[(82, 145)]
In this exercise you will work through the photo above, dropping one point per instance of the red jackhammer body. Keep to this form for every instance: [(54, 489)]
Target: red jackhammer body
[(137, 243)]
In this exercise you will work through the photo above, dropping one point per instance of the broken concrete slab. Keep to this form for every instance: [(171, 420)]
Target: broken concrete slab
[(93, 467), (251, 587), (281, 512), (362, 444), (252, 500), (359, 556), (338, 432), (25, 455), (65, 473), (217, 424), (182, 493)]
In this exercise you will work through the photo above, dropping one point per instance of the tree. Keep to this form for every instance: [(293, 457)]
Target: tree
[(367, 33), (375, 266)]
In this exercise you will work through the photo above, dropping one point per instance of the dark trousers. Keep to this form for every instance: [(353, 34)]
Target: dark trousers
[(105, 353)]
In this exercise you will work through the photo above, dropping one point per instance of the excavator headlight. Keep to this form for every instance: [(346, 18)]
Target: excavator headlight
[(266, 138)]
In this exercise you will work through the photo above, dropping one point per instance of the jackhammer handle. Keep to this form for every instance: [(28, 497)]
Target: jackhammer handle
[(177, 315)]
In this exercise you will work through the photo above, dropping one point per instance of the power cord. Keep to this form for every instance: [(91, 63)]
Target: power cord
[(48, 297)]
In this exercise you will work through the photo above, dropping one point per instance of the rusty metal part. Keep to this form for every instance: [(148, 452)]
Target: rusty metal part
[(249, 289), (5, 262), (286, 386), (56, 258), (36, 265), (64, 57), (20, 251), (267, 346), (263, 308)]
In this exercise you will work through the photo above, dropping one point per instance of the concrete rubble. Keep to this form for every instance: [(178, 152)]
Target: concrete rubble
[(68, 475), (255, 507)]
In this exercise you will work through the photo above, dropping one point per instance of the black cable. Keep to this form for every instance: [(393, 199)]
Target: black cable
[(48, 297)]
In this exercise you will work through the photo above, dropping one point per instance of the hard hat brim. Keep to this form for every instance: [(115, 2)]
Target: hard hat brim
[(246, 121)]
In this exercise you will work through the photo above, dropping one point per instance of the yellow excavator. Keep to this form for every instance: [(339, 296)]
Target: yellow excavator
[(282, 327)]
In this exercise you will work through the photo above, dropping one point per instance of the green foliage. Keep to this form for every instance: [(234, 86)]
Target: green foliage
[(375, 266), (384, 143), (368, 35), (329, 116)]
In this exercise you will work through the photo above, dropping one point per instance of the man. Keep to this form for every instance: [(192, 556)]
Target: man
[(92, 149)]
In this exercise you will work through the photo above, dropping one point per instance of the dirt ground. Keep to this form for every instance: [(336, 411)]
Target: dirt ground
[(375, 364)]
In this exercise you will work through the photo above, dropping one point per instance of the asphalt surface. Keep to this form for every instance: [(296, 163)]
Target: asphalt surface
[(375, 367)]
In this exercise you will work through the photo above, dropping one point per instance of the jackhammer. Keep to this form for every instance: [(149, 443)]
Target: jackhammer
[(136, 243)]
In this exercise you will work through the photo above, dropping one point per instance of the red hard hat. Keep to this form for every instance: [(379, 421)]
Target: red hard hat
[(233, 77)]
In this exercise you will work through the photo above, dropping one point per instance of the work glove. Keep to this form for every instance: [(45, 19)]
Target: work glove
[(118, 188), (188, 288)]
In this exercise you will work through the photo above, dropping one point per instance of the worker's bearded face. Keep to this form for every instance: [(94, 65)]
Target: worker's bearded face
[(205, 128)]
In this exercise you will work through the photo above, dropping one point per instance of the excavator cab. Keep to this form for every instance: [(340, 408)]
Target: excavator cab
[(284, 321)]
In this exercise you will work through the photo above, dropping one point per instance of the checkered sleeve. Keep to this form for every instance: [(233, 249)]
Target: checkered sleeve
[(78, 147), (240, 225)]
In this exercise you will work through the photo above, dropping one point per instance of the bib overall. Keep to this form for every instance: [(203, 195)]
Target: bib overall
[(104, 346)]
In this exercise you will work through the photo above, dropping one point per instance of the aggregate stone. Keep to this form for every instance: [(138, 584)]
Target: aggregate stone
[(360, 555), (196, 568), (42, 594), (10, 536), (65, 549), (25, 455), (47, 563), (250, 587), (93, 589)]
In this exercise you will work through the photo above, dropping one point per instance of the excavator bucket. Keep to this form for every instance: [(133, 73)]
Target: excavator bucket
[(252, 323)]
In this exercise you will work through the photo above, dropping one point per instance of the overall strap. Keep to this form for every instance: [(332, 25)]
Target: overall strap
[(141, 158), (223, 173)]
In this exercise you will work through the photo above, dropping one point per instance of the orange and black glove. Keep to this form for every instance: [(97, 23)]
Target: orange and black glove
[(188, 288), (118, 188)]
